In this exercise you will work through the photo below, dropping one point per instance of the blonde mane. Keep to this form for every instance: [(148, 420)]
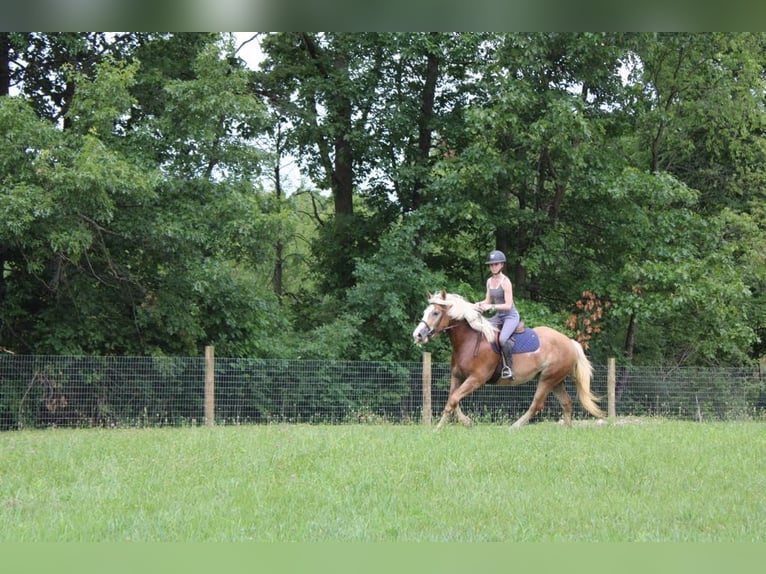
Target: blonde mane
[(458, 308)]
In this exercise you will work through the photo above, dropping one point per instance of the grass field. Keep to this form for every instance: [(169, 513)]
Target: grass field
[(648, 480)]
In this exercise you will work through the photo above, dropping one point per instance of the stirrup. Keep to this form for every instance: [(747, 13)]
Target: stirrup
[(506, 372)]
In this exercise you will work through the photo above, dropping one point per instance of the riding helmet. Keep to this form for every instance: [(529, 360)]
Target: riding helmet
[(496, 257)]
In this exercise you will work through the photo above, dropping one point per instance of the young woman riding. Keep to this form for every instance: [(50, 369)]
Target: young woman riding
[(499, 297)]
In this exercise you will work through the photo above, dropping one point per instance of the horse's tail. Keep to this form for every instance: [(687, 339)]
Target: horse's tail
[(582, 373)]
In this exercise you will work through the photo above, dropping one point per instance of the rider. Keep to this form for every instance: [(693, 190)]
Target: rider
[(499, 297)]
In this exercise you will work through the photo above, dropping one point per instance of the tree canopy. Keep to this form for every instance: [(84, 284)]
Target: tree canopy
[(145, 207)]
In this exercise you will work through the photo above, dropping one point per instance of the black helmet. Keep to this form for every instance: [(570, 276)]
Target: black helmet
[(496, 257)]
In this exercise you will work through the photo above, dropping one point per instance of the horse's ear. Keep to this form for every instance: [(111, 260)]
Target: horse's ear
[(443, 295), (429, 295)]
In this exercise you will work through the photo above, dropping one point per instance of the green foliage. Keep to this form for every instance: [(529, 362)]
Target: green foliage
[(536, 314), (138, 212), (99, 103), (328, 341), (337, 243), (390, 293), (62, 203), (27, 144), (203, 131), (137, 262)]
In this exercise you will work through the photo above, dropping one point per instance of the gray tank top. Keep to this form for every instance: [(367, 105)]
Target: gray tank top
[(497, 297)]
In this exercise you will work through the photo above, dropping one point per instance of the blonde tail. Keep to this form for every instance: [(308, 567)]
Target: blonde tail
[(583, 371)]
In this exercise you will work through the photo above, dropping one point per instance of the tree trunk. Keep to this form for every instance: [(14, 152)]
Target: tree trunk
[(425, 131), (5, 88), (278, 247), (340, 171), (630, 337), (5, 63), (343, 178), (623, 377), (278, 270)]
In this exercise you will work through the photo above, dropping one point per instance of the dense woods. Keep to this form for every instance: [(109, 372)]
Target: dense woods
[(159, 194)]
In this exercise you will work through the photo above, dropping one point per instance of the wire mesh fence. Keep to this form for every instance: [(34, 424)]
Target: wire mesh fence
[(41, 391)]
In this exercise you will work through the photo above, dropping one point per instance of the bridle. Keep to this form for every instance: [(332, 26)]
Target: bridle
[(432, 332)]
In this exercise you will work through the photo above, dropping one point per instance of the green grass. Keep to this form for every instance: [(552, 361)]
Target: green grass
[(651, 481)]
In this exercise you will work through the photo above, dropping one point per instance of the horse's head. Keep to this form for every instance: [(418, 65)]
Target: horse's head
[(435, 318), (446, 308)]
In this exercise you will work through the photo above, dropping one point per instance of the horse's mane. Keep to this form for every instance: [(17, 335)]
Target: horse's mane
[(459, 308)]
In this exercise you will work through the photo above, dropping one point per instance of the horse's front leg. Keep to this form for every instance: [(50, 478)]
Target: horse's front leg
[(449, 407), (443, 420), (456, 395), (461, 416)]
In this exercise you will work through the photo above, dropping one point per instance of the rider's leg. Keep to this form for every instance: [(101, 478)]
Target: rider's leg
[(506, 344), (507, 373)]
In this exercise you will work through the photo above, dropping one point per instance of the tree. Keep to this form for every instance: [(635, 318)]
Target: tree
[(60, 210), (136, 235), (363, 110), (136, 216), (699, 115), (208, 235), (388, 314)]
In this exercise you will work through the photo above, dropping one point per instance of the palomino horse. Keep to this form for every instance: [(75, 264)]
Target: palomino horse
[(475, 361)]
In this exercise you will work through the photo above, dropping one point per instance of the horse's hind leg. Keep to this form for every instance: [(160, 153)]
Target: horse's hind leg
[(538, 402), (563, 397)]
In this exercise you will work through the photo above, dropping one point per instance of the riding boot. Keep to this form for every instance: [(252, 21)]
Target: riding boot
[(506, 373)]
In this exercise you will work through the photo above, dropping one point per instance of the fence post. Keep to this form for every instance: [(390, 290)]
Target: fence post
[(209, 385), (611, 384), (426, 415)]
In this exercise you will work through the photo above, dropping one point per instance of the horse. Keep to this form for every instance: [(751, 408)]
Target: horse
[(476, 360)]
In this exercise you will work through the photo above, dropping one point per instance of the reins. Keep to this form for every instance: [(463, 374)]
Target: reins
[(433, 332)]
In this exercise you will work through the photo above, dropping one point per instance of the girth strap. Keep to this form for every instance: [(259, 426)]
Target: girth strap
[(478, 342)]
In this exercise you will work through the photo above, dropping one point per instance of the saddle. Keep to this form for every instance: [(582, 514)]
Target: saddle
[(520, 328)]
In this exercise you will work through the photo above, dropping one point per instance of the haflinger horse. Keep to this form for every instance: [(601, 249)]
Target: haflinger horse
[(476, 359)]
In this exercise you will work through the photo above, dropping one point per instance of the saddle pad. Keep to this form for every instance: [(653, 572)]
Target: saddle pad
[(525, 342)]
